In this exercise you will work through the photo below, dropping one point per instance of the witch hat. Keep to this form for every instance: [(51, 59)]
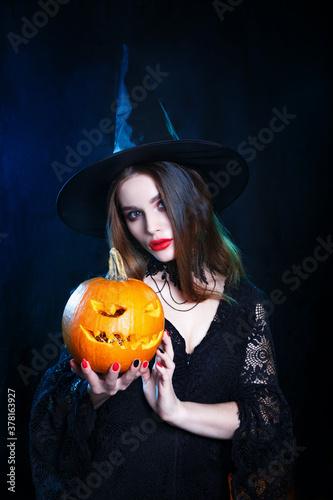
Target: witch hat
[(82, 201)]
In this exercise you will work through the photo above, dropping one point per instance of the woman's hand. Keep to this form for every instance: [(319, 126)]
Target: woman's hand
[(218, 421), (100, 386), (157, 385)]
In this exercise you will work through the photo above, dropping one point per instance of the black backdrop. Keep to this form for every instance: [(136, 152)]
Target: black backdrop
[(254, 75)]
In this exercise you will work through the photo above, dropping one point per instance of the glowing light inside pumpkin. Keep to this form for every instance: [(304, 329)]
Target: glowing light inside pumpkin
[(124, 342)]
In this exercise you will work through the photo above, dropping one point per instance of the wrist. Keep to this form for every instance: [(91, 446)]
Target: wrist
[(178, 416), (97, 399)]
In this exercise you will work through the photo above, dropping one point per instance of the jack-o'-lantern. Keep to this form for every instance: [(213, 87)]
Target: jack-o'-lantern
[(113, 319)]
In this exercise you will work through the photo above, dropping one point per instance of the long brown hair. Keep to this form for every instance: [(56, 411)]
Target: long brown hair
[(201, 241)]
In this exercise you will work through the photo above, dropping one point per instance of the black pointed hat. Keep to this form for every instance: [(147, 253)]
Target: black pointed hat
[(82, 201)]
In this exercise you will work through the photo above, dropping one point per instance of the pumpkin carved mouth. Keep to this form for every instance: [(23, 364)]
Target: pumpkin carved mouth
[(130, 342)]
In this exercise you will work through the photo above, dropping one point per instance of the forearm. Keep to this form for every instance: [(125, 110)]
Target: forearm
[(218, 421)]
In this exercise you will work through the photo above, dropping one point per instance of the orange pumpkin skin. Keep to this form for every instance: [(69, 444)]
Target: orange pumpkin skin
[(127, 314)]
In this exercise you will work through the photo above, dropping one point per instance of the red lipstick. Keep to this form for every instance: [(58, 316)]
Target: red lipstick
[(158, 245)]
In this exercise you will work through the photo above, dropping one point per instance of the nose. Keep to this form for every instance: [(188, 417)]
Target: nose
[(154, 222)]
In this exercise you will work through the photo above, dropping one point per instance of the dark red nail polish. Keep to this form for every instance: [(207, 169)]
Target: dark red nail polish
[(159, 364), (115, 366), (144, 364), (84, 363), (166, 331)]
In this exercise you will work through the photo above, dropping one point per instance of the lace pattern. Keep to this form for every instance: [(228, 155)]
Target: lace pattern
[(265, 421)]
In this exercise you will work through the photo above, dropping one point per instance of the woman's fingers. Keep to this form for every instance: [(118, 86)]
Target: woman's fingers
[(131, 374), (113, 381), (163, 359), (157, 386), (149, 383), (166, 344), (75, 367), (109, 382), (165, 372), (146, 376), (96, 383)]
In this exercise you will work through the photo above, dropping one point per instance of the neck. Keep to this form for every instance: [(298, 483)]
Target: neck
[(164, 270)]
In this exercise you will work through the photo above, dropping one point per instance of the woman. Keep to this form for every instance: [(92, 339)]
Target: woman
[(208, 410)]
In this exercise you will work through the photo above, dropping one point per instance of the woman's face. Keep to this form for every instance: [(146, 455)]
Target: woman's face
[(146, 216)]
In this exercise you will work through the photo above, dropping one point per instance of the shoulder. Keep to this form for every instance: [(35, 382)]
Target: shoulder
[(245, 290), (246, 298)]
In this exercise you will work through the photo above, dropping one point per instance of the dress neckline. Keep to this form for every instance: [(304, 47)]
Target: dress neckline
[(217, 313)]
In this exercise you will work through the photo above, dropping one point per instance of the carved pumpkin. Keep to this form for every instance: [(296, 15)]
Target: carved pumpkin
[(113, 319)]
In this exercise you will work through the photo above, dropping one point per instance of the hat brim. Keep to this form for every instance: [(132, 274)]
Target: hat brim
[(82, 201)]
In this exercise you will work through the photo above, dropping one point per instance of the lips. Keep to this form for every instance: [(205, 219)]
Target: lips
[(158, 245)]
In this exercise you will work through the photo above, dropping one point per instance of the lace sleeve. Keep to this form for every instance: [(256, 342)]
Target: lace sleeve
[(263, 443), (62, 417)]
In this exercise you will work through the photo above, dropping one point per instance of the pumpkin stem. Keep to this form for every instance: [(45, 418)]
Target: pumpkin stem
[(116, 266)]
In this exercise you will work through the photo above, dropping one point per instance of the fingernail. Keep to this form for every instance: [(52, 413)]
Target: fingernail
[(144, 364), (115, 366), (72, 363), (161, 350), (84, 363), (136, 363), (159, 364), (166, 331)]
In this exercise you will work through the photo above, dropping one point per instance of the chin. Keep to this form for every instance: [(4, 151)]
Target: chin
[(165, 255)]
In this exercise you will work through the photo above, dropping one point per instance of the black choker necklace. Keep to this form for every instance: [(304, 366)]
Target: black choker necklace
[(169, 271), (166, 268)]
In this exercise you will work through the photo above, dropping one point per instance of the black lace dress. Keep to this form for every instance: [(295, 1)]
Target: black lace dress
[(124, 451)]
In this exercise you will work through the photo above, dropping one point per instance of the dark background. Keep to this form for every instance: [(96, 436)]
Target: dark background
[(228, 68)]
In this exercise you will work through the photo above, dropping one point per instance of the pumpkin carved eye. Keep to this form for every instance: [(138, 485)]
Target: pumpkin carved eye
[(153, 309), (115, 310)]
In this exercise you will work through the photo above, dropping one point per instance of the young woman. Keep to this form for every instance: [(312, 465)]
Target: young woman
[(206, 418)]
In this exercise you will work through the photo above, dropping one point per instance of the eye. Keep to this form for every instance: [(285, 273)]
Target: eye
[(131, 216), (160, 205)]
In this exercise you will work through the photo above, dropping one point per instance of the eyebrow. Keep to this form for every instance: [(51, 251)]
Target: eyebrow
[(151, 201)]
